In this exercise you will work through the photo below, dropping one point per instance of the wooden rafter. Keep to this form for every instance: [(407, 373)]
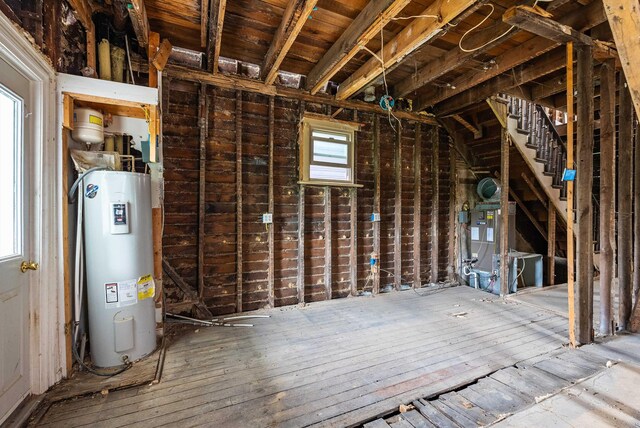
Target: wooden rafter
[(624, 19), (138, 14), (365, 27), (531, 21), (582, 19), (204, 21), (483, 40), (294, 18), (418, 32), (474, 129), (217, 11)]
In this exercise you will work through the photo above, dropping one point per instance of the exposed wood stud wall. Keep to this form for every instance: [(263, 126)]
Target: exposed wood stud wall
[(239, 204), (271, 273), (607, 186), (328, 257), (584, 204), (504, 207), (435, 204), (397, 220), (625, 171), (376, 198), (202, 122), (417, 208), (262, 131), (353, 222)]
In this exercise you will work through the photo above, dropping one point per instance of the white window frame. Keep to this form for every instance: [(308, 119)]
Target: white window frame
[(311, 123)]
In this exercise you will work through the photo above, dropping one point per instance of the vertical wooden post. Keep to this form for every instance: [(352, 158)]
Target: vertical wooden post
[(607, 186), (625, 154), (376, 198), (154, 43), (91, 51), (397, 213), (328, 262), (504, 211), (636, 217), (202, 123), (239, 255), (300, 282), (551, 244), (417, 207), (435, 204), (270, 237), (453, 183), (570, 164), (584, 201), (353, 220)]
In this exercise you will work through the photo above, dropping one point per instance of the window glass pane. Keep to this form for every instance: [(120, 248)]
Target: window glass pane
[(330, 152), (10, 123), (329, 135), (321, 172)]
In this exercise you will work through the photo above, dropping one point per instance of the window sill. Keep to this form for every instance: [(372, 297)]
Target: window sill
[(330, 184)]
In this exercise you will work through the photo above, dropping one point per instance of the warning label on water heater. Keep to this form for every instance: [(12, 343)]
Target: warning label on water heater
[(146, 287)]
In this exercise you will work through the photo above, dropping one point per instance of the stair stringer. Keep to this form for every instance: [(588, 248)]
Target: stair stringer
[(519, 140)]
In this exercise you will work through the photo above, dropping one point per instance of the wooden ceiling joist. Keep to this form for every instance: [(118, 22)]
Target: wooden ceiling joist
[(475, 130), (138, 14), (529, 20), (624, 19), (524, 73), (204, 22), (294, 18), (365, 27), (217, 11), (583, 19), (431, 22)]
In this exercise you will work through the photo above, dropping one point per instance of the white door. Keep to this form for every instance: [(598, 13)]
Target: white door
[(15, 224)]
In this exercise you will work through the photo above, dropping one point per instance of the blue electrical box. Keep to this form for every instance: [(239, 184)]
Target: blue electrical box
[(463, 217)]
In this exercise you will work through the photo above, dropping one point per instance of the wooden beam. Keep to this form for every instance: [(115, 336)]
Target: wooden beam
[(625, 172), (152, 49), (551, 245), (397, 212), (204, 22), (582, 19), (542, 66), (573, 342), (271, 238), (624, 19), (353, 220), (366, 26), (504, 207), (584, 201), (251, 85), (541, 198), (294, 18), (435, 204), (607, 186), (417, 208), (475, 130), (239, 205), (202, 191), (526, 18), (634, 323), (139, 21), (162, 55), (414, 35), (452, 270), (376, 199), (301, 226), (217, 12)]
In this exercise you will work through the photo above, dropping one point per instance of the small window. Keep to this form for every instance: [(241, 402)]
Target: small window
[(327, 151)]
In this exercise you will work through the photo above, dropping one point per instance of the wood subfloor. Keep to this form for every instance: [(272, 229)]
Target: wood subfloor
[(336, 363)]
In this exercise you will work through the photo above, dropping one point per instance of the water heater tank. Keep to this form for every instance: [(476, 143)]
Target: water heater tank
[(88, 126), (119, 266)]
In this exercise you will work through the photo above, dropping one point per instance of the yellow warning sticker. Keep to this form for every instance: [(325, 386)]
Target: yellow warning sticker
[(95, 120), (146, 287)]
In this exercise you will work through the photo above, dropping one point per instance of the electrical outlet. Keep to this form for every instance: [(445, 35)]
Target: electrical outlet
[(267, 218), (375, 217)]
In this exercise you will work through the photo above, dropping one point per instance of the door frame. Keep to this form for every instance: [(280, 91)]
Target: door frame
[(46, 285)]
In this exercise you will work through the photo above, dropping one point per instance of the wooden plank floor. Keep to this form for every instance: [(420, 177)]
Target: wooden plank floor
[(336, 363)]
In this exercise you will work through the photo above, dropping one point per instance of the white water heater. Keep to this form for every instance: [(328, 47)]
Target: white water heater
[(119, 266)]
